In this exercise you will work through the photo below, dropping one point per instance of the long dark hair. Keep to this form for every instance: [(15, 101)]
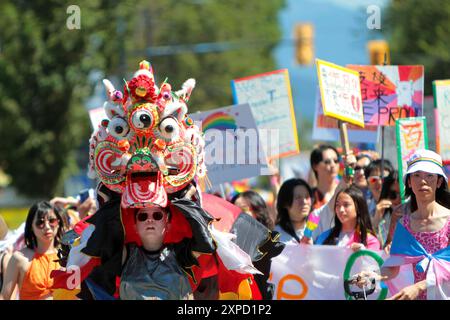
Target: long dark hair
[(388, 182), (363, 224), (387, 165), (284, 200), (258, 207), (442, 195), (317, 156), (41, 209)]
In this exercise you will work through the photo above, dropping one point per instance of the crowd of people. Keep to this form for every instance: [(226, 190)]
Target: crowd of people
[(359, 211)]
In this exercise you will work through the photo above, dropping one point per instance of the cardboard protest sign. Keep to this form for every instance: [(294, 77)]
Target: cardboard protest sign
[(232, 144), (429, 112), (340, 92), (390, 92), (411, 136), (269, 96), (326, 128), (441, 90)]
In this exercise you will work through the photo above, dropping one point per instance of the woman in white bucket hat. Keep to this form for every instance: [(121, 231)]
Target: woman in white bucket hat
[(422, 238), (426, 164)]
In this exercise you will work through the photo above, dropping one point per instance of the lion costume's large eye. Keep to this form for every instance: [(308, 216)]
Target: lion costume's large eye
[(169, 128), (118, 128), (142, 119)]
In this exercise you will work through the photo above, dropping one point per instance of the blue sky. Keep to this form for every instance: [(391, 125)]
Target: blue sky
[(341, 36)]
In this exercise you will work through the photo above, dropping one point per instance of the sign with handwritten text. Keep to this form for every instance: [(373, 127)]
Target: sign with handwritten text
[(327, 128), (340, 92), (411, 136), (270, 99), (442, 102), (390, 92)]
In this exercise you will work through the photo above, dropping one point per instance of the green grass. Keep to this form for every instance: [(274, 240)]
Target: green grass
[(14, 216)]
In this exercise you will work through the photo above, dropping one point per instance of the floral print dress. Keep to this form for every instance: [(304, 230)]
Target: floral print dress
[(432, 242)]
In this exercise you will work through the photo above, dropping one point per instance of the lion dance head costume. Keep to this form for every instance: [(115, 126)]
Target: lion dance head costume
[(148, 147)]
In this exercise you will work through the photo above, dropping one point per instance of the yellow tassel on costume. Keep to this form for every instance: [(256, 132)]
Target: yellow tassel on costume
[(64, 294), (244, 292)]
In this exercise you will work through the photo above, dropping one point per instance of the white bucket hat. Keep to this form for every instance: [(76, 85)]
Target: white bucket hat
[(427, 161)]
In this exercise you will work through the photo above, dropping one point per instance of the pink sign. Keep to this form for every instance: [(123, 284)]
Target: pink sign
[(390, 92)]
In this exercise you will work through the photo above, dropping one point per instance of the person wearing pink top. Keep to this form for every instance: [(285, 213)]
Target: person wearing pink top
[(421, 238), (352, 226)]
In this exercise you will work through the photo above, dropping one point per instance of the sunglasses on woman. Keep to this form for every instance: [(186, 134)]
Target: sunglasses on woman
[(328, 161), (143, 216), (40, 223), (373, 179)]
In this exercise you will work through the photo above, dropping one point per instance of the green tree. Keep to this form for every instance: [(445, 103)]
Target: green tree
[(253, 25), (419, 33), (44, 69)]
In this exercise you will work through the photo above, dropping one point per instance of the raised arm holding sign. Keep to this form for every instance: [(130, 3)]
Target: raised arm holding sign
[(341, 98)]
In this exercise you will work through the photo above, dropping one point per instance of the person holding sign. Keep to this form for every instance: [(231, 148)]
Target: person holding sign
[(325, 165), (341, 99), (423, 237), (363, 159)]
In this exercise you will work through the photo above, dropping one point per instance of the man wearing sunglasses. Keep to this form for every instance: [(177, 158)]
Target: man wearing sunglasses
[(362, 162), (166, 281)]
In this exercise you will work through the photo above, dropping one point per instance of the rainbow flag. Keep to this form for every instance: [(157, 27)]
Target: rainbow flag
[(219, 120)]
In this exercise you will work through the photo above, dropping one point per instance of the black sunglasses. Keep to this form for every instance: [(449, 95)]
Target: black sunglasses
[(143, 216), (357, 168)]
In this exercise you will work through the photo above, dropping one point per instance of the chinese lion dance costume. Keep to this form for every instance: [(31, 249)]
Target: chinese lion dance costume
[(149, 152)]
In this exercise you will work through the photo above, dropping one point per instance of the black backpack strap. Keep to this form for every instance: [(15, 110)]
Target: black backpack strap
[(1, 268)]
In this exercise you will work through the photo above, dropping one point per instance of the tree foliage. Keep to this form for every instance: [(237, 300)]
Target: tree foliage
[(419, 33), (252, 25), (45, 68)]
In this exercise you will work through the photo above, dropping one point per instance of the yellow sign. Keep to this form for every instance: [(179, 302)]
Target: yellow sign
[(340, 92)]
